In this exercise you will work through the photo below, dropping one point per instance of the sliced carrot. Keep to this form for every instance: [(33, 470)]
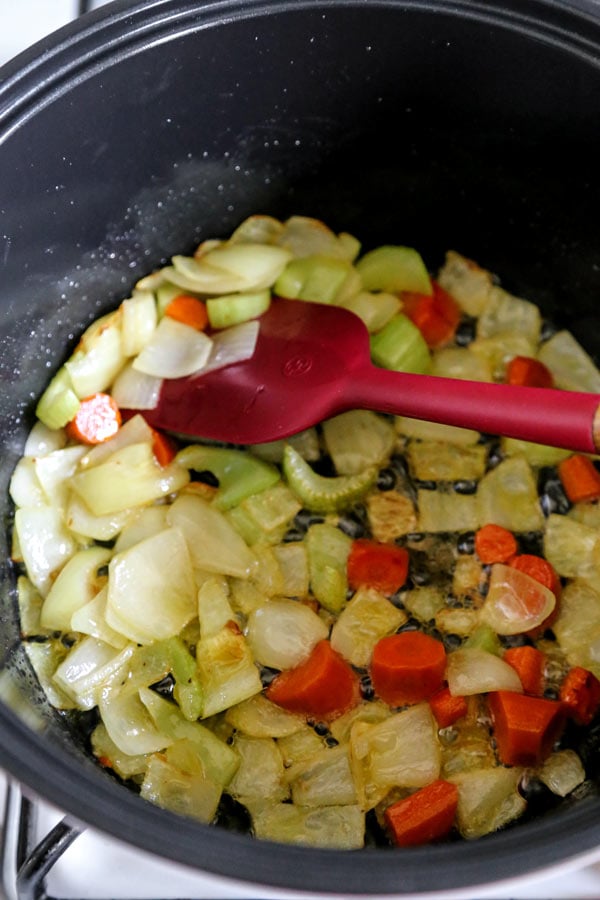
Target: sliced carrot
[(383, 567), (580, 694), (97, 420), (529, 664), (407, 667), (427, 815), (447, 708), (324, 686), (538, 568), (495, 544), (579, 478), (163, 447), (541, 570), (524, 370), (436, 315), (525, 728), (189, 310)]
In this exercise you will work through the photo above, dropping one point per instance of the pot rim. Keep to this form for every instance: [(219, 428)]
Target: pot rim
[(27, 84)]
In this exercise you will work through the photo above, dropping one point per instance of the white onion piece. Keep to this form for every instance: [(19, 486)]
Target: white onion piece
[(89, 668), (45, 543), (135, 431), (515, 602), (282, 633), (174, 350), (42, 440), (232, 345), (136, 390), (129, 724), (474, 671)]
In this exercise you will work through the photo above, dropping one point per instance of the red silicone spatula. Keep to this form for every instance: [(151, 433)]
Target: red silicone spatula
[(313, 361)]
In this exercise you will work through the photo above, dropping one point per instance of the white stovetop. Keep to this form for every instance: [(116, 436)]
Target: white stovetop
[(95, 859)]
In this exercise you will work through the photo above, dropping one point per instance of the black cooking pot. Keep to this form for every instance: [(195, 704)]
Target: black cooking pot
[(131, 134)]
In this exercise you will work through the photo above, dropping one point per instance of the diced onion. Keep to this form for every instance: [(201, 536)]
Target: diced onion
[(232, 345), (282, 633), (474, 671), (133, 389), (129, 724), (174, 350), (515, 602)]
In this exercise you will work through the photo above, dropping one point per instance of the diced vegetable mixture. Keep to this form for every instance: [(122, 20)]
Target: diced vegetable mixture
[(379, 631)]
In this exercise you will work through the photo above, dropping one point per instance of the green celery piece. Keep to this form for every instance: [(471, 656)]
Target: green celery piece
[(394, 269), (59, 402), (220, 760), (314, 278), (152, 662), (400, 346), (164, 294), (239, 473), (484, 638), (232, 309), (320, 493), (327, 549)]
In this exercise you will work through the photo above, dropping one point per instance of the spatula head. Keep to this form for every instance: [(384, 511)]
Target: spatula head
[(294, 379)]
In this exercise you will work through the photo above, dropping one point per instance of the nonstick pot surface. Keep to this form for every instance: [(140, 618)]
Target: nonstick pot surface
[(130, 135)]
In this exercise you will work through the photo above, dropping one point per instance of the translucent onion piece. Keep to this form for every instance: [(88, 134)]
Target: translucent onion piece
[(323, 780), (151, 589), (213, 543), (515, 602), (368, 617), (232, 345), (54, 471), (89, 669), (229, 268), (258, 717), (488, 798), (43, 440), (98, 357), (129, 724), (474, 671), (174, 350), (187, 793), (401, 751), (282, 633), (77, 583), (25, 488), (45, 543), (562, 772), (333, 827), (138, 321), (260, 776), (135, 431), (136, 390)]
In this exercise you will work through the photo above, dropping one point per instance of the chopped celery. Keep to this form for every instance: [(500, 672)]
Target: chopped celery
[(219, 760), (239, 473), (401, 346), (314, 278), (321, 493), (394, 269), (59, 402), (105, 749), (164, 294), (231, 309), (305, 442), (327, 548), (535, 454)]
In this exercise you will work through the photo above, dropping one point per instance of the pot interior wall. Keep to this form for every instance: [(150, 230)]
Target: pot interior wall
[(434, 125)]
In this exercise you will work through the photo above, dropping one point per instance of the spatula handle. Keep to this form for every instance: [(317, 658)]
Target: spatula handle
[(558, 418)]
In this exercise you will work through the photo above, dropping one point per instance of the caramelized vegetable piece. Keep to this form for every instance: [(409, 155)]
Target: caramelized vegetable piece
[(495, 544), (407, 667), (97, 420), (426, 815), (371, 564), (580, 695), (324, 686), (580, 478), (529, 664), (530, 372), (525, 727)]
